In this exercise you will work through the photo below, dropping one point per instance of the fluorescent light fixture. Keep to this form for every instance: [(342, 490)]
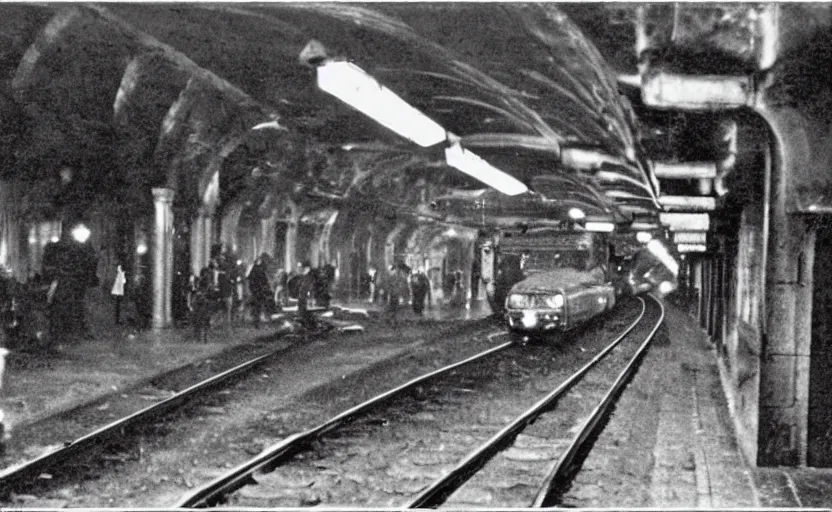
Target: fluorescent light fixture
[(81, 233), (352, 85), (576, 214), (643, 237), (600, 227), (660, 252), (692, 248), (471, 164), (268, 124)]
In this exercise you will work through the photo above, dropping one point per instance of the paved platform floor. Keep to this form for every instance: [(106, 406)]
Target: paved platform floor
[(697, 462)]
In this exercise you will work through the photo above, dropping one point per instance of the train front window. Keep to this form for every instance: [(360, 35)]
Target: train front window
[(539, 261)]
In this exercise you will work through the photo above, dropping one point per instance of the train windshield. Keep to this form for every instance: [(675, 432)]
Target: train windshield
[(540, 261), (541, 251)]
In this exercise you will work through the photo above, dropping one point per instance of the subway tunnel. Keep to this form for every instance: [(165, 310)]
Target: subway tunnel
[(173, 129)]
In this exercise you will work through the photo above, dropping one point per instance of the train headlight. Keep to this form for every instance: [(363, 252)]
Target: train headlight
[(553, 301), (666, 287), (529, 319), (517, 301)]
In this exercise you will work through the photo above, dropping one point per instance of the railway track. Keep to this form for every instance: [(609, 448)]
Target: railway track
[(68, 464), (547, 433), (252, 471), (19, 475)]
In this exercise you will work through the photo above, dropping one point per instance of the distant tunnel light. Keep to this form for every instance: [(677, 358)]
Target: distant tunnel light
[(643, 237), (355, 87), (471, 164), (661, 253), (81, 233), (666, 287), (600, 227), (576, 214)]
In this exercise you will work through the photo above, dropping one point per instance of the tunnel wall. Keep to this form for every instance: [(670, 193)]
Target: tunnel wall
[(799, 151), (742, 346), (819, 431)]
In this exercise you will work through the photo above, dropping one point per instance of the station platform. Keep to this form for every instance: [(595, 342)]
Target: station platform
[(696, 462)]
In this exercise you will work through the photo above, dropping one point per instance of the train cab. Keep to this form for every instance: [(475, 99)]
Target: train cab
[(550, 281)]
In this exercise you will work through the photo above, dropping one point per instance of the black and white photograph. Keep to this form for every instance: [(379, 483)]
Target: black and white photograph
[(415, 255)]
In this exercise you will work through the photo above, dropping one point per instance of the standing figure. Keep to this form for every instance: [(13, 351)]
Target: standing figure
[(306, 287), (258, 286), (281, 291), (225, 287), (420, 285), (324, 276), (373, 273), (70, 266), (202, 305), (118, 292), (396, 288)]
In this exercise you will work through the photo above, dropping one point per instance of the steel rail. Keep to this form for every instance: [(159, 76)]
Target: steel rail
[(559, 475), (441, 489), (33, 468), (213, 492)]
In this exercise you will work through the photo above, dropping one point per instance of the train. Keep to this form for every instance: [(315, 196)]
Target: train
[(546, 281)]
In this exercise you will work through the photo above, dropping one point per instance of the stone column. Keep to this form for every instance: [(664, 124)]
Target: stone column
[(784, 364), (291, 245), (201, 239), (267, 235), (229, 225), (162, 257)]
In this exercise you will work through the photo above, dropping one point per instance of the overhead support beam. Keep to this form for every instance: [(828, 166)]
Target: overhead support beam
[(661, 89), (224, 86), (686, 221), (51, 34), (690, 237), (684, 171), (688, 203), (688, 248), (644, 226)]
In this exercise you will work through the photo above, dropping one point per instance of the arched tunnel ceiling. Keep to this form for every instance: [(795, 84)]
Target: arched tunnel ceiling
[(170, 92)]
